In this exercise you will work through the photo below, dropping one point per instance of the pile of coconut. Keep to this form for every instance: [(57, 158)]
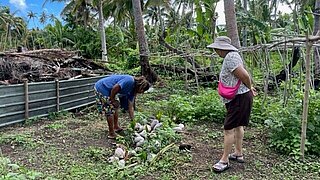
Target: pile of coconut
[(142, 131)]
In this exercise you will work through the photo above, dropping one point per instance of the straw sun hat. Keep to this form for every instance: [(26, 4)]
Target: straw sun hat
[(223, 43)]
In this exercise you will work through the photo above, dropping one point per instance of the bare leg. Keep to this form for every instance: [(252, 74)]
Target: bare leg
[(111, 127), (228, 142), (238, 134), (116, 120)]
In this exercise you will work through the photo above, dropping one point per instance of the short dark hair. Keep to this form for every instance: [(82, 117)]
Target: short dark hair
[(141, 83)]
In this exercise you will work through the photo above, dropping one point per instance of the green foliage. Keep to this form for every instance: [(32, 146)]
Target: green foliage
[(11, 171), (56, 126), (95, 153), (32, 120), (204, 105), (87, 41), (24, 140), (17, 139), (285, 124), (57, 115)]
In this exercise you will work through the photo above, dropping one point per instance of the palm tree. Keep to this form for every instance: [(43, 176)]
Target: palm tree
[(10, 27), (146, 69), (52, 18), (186, 5), (82, 10), (43, 18), (32, 15), (120, 10), (102, 30), (231, 22), (160, 6), (152, 15)]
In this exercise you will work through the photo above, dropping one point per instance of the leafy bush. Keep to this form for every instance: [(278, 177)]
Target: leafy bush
[(259, 110), (285, 125), (9, 170), (205, 105)]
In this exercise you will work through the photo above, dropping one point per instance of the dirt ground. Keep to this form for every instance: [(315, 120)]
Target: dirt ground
[(76, 146)]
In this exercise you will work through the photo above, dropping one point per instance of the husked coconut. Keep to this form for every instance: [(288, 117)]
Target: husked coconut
[(122, 163), (113, 159), (181, 126), (152, 134), (119, 152), (157, 126), (177, 129), (153, 123), (137, 126), (141, 128), (140, 143), (138, 149), (148, 128), (143, 133), (138, 138)]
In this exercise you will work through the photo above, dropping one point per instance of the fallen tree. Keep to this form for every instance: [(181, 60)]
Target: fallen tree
[(46, 65)]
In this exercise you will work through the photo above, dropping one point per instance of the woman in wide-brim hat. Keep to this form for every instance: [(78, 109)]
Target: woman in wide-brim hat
[(238, 108)]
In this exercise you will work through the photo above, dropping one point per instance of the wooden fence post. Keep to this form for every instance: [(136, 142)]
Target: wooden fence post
[(58, 94), (195, 73), (26, 99)]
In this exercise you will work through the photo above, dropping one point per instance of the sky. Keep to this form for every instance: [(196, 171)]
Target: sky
[(24, 6), (221, 18)]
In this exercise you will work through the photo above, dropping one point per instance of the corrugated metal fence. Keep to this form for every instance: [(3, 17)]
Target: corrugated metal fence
[(23, 101)]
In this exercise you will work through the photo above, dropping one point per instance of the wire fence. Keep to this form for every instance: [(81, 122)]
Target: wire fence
[(28, 100)]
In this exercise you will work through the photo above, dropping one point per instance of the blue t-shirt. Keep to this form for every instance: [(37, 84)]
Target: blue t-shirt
[(126, 83)]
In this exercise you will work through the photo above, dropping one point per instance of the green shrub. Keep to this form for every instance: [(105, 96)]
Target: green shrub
[(284, 124), (9, 170), (205, 105)]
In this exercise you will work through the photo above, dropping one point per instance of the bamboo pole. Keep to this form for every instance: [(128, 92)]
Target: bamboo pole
[(266, 75), (26, 99), (186, 76), (305, 99)]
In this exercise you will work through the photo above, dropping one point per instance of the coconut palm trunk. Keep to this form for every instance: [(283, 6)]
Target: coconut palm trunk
[(231, 22), (102, 31), (146, 70), (245, 36)]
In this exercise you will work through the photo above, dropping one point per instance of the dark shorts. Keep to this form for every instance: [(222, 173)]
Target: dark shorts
[(104, 104), (238, 111)]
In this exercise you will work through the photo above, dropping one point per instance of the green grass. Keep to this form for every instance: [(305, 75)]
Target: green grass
[(76, 147)]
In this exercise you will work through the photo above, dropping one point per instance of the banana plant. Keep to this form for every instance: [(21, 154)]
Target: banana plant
[(206, 17), (57, 34)]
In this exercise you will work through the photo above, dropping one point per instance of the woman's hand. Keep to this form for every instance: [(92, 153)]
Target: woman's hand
[(115, 104), (254, 91)]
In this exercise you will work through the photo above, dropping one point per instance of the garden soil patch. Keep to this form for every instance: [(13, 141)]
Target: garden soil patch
[(53, 147)]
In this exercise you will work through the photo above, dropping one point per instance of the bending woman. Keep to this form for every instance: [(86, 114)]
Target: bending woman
[(106, 90)]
